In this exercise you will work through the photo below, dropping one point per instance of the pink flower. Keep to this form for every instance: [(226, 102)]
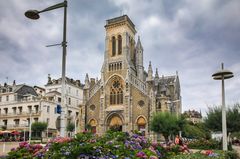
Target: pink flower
[(141, 155)]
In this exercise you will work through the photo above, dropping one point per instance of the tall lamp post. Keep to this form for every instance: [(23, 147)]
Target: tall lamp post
[(221, 75), (30, 125), (34, 14), (24, 131)]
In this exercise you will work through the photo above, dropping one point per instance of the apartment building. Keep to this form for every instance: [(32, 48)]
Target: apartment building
[(20, 103)]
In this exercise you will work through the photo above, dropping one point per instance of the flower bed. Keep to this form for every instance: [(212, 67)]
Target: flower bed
[(208, 154), (109, 146)]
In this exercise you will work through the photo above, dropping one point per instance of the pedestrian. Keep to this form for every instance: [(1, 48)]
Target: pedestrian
[(176, 141)]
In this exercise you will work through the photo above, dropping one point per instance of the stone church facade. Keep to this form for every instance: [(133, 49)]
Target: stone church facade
[(126, 96)]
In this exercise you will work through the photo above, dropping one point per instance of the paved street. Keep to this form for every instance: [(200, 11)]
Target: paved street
[(237, 148), (5, 147)]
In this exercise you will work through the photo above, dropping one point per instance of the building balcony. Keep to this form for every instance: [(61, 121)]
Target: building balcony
[(18, 115), (17, 126)]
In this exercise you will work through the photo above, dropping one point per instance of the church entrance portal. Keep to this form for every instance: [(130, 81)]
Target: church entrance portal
[(114, 123), (141, 123)]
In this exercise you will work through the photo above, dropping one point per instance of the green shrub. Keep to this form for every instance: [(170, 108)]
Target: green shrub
[(205, 144), (231, 155), (216, 155), (36, 138)]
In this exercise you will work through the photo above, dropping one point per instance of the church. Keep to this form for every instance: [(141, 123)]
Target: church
[(126, 96)]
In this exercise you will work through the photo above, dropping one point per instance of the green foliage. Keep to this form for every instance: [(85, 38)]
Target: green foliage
[(39, 126), (204, 155), (169, 151), (36, 138), (205, 130), (196, 131), (215, 114), (4, 127), (87, 144), (115, 128), (70, 127), (88, 127), (233, 119), (84, 137), (166, 123), (19, 154), (111, 145), (24, 151), (205, 144), (231, 155)]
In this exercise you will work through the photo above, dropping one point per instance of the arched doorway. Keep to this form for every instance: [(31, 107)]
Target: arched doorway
[(114, 123), (141, 123), (93, 124)]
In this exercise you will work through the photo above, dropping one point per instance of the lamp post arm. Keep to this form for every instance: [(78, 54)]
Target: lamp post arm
[(56, 6)]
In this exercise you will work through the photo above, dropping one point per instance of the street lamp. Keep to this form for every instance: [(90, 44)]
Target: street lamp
[(24, 131), (75, 125), (221, 75), (30, 125), (34, 14)]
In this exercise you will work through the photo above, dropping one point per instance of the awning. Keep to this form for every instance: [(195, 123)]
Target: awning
[(5, 132), (15, 133)]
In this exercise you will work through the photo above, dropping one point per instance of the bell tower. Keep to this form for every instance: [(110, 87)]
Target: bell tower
[(120, 55)]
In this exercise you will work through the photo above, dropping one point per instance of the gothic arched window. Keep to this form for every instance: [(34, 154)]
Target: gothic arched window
[(159, 105), (113, 46), (119, 44), (116, 93)]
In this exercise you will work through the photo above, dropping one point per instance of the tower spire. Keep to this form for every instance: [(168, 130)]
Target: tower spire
[(139, 59), (150, 72), (87, 85), (156, 74), (139, 44), (156, 78)]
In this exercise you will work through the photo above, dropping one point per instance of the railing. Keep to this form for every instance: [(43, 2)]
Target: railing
[(23, 114), (34, 99), (138, 84), (95, 88), (17, 126)]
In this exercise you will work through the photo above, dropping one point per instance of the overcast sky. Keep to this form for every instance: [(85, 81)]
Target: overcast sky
[(188, 36)]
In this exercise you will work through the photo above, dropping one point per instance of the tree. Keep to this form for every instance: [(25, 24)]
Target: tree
[(196, 131), (39, 127), (70, 127), (166, 124), (4, 127), (233, 118), (213, 121)]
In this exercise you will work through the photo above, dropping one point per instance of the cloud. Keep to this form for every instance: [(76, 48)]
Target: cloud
[(191, 37)]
